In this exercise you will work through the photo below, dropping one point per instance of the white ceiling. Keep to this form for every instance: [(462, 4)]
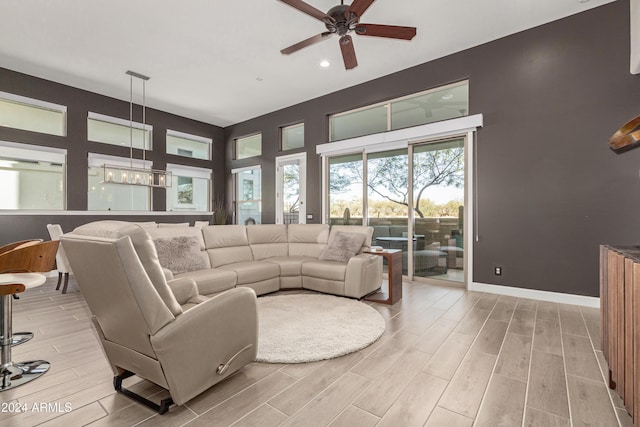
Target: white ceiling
[(219, 61)]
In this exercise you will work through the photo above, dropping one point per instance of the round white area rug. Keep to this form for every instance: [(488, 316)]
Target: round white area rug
[(307, 327)]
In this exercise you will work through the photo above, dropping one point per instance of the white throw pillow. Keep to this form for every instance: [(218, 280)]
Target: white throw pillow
[(342, 246), (180, 254)]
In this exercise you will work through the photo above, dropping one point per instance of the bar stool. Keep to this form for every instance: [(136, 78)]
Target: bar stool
[(20, 269), (19, 337)]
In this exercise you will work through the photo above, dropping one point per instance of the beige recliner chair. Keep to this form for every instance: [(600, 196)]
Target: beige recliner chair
[(161, 331)]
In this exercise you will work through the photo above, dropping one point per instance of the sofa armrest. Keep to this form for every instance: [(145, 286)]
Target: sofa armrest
[(363, 276), (209, 335), (183, 289), (168, 274)]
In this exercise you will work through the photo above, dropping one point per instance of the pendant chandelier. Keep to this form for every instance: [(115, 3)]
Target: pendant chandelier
[(131, 175)]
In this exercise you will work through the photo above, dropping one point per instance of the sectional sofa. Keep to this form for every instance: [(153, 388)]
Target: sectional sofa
[(266, 258)]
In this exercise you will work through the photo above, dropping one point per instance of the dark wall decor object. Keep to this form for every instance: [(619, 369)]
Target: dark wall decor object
[(627, 137)]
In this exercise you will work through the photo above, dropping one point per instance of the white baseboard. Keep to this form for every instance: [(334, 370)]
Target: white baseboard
[(536, 294)]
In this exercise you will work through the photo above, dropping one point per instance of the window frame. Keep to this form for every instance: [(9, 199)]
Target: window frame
[(98, 160), (121, 122), (236, 201), (178, 170), (28, 152), (388, 104), (190, 137), (235, 146), (37, 104), (282, 136)]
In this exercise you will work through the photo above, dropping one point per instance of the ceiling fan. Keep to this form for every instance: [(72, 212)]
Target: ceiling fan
[(342, 20)]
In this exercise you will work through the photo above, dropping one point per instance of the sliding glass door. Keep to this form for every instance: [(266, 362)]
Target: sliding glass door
[(438, 184)]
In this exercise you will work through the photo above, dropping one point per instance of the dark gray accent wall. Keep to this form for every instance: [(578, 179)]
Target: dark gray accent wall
[(549, 190), (79, 103)]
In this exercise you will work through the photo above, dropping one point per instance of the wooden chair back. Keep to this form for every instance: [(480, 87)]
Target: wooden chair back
[(35, 257), (10, 246)]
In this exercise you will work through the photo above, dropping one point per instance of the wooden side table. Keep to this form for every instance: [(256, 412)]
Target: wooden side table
[(394, 274)]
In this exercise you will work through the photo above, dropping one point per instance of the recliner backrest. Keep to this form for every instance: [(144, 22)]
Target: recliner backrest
[(145, 250), (117, 290)]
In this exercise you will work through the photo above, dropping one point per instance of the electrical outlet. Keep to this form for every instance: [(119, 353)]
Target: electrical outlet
[(497, 271)]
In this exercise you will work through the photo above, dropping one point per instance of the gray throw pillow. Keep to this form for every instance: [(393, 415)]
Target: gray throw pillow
[(180, 254), (342, 246)]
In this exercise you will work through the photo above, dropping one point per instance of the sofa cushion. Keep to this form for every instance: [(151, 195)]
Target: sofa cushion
[(211, 281), (329, 270), (268, 241), (181, 254), (307, 239), (253, 271), (290, 265), (342, 246)]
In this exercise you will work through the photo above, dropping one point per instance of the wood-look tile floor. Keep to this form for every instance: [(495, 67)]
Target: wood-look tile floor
[(447, 358)]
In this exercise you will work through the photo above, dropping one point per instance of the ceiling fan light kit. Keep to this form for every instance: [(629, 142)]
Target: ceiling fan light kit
[(342, 20)]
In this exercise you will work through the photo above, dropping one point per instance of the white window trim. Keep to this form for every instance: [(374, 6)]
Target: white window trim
[(189, 171), (118, 121), (635, 37), (235, 146), (247, 168), (33, 152), (400, 138), (98, 160), (33, 102)]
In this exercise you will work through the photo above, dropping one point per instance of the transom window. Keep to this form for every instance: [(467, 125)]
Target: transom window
[(115, 131), (292, 137), (441, 103), (33, 115), (187, 145), (249, 146)]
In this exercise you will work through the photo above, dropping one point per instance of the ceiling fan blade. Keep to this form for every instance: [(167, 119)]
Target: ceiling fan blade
[(389, 31), (308, 9), (304, 43), (348, 52), (358, 7)]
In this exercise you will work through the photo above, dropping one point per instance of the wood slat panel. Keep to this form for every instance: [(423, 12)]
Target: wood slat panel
[(620, 324), (628, 334), (636, 341), (612, 349), (604, 336)]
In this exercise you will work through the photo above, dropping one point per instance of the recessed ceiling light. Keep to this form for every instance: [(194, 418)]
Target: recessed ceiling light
[(447, 96), (325, 63)]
